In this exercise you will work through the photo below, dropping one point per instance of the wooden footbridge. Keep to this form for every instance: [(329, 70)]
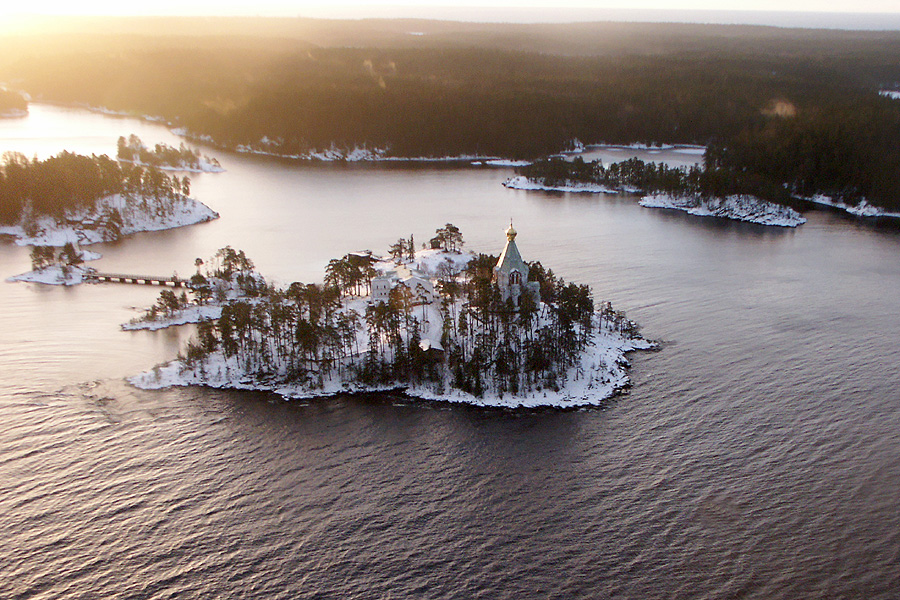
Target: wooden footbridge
[(99, 277)]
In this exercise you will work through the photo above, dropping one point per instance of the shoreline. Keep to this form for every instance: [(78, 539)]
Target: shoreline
[(598, 371), (187, 211), (863, 209), (738, 208), (748, 209), (357, 154), (205, 167), (603, 367)]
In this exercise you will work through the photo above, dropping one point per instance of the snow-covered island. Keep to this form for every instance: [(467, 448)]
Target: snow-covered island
[(520, 182), (63, 268), (165, 157), (109, 219), (84, 200), (659, 185), (335, 153), (737, 207), (438, 324)]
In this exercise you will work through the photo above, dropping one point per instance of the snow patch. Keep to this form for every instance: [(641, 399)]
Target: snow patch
[(55, 275), (521, 182), (737, 207), (79, 226), (863, 209), (600, 374), (191, 314), (203, 166), (502, 162), (692, 151), (430, 260)]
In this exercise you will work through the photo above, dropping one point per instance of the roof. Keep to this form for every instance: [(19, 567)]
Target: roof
[(511, 259)]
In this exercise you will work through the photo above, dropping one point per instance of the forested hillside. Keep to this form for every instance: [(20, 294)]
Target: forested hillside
[(795, 108)]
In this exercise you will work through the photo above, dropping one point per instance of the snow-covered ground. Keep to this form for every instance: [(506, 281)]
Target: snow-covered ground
[(14, 113), (680, 148), (739, 208), (429, 260), (191, 314), (503, 162), (49, 232), (55, 275), (362, 154), (521, 182), (204, 165), (600, 375), (863, 209)]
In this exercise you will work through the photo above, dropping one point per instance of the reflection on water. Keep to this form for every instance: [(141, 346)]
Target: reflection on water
[(756, 455)]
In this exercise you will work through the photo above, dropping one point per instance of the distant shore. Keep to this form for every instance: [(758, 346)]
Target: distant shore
[(738, 208)]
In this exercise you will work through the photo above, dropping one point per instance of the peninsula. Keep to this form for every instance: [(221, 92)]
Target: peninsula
[(438, 323), (706, 192), (75, 199)]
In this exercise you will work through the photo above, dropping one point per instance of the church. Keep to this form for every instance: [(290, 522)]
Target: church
[(511, 273)]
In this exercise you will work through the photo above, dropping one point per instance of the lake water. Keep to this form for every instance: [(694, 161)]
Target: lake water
[(756, 455)]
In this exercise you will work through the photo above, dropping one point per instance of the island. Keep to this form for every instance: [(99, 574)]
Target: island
[(699, 191), (436, 323), (71, 198), (164, 157), (12, 105)]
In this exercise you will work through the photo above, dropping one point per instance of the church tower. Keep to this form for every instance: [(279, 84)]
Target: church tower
[(511, 272)]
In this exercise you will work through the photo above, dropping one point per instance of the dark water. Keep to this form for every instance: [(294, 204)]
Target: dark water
[(756, 455)]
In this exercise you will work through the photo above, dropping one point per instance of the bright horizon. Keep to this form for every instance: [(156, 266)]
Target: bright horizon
[(869, 15), (412, 8)]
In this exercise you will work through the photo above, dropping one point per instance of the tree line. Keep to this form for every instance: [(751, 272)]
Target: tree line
[(70, 182), (311, 334), (807, 117), (132, 149), (649, 178)]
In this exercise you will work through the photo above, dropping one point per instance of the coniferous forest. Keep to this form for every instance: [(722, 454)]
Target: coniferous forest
[(777, 108), (67, 182), (650, 178), (312, 334)]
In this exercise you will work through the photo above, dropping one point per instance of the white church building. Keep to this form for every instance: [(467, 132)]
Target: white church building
[(511, 272)]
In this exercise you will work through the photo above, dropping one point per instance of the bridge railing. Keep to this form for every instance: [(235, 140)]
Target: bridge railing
[(136, 279)]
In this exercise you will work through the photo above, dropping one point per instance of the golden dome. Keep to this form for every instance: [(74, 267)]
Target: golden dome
[(511, 233)]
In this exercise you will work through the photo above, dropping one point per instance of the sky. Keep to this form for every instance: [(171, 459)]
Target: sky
[(351, 7), (797, 13)]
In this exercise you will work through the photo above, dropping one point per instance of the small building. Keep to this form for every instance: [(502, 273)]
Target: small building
[(421, 287), (511, 273)]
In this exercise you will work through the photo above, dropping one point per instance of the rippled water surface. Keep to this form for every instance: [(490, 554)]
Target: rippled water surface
[(756, 456)]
